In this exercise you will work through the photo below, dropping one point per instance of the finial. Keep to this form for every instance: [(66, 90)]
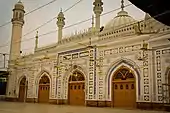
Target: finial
[(92, 20), (122, 6), (37, 34), (61, 10)]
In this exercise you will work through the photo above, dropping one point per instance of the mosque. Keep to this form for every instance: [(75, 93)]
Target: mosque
[(125, 63)]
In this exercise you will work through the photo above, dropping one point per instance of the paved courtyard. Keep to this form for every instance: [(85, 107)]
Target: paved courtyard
[(11, 107)]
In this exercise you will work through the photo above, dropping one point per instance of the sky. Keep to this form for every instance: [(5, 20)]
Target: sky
[(80, 12)]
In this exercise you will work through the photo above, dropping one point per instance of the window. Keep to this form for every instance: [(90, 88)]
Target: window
[(115, 86), (121, 86), (71, 87), (16, 14), (79, 87), (132, 86), (20, 15), (83, 86), (75, 87), (127, 87)]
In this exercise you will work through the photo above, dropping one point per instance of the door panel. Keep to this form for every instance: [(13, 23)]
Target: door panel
[(43, 95), (76, 94), (124, 94), (21, 93)]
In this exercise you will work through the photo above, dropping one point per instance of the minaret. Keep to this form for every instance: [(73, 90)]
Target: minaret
[(17, 24), (36, 41), (60, 24), (98, 9)]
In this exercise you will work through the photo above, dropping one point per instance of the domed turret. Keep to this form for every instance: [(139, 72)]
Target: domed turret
[(19, 5)]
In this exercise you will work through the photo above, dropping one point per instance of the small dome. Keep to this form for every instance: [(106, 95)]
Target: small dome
[(61, 14), (122, 19), (19, 5)]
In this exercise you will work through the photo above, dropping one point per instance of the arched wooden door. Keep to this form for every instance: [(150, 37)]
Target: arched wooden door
[(123, 88), (22, 90), (44, 88), (76, 91)]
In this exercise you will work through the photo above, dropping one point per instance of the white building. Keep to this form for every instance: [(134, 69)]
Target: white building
[(122, 65)]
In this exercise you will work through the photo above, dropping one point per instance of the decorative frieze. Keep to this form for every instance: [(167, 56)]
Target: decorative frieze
[(122, 49)]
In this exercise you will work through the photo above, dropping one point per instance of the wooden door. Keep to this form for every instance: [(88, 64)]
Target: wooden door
[(76, 91), (44, 89), (76, 94), (21, 93), (123, 89), (43, 93), (124, 94), (22, 90)]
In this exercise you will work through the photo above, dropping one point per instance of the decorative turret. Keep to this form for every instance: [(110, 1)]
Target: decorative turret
[(98, 9), (36, 41), (18, 22), (60, 24)]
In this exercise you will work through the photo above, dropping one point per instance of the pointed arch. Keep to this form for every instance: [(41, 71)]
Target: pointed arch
[(82, 84), (76, 76), (22, 89), (38, 78), (42, 73), (73, 69), (21, 78), (117, 64), (44, 89), (76, 86)]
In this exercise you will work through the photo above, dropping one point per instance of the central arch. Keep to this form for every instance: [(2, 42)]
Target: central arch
[(76, 88), (123, 88), (116, 65), (44, 88)]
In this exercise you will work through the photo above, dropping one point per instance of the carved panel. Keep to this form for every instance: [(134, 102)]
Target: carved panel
[(91, 73), (158, 74), (146, 77)]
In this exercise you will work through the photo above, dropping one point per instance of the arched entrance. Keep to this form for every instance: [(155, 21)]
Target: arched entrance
[(76, 91), (44, 88), (22, 90), (123, 88)]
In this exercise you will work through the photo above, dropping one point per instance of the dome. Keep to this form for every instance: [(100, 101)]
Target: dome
[(19, 5), (122, 19)]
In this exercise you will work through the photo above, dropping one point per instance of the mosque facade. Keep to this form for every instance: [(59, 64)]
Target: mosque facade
[(126, 63)]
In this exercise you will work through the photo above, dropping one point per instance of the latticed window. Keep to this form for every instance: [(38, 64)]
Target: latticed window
[(77, 76), (44, 80), (124, 73)]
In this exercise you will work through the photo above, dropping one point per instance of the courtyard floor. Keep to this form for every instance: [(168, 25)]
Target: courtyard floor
[(16, 107)]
